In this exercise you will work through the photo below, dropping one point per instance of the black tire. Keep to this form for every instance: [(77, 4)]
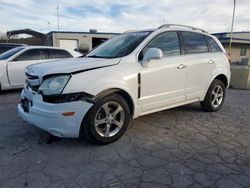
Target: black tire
[(88, 128), (208, 104)]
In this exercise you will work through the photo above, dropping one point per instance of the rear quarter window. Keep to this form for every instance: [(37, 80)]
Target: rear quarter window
[(213, 46)]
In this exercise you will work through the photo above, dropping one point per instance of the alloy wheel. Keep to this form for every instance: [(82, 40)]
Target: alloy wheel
[(217, 96), (109, 119)]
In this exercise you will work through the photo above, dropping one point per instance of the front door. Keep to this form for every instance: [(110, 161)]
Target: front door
[(163, 81), (16, 67)]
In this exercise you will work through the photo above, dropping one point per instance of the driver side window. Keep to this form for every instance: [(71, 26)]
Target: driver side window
[(168, 42)]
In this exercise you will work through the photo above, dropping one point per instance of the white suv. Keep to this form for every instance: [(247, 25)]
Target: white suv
[(130, 75)]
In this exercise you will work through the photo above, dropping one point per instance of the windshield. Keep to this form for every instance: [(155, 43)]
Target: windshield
[(9, 53), (119, 46)]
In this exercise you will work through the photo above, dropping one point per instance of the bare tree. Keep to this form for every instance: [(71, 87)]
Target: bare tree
[(3, 36)]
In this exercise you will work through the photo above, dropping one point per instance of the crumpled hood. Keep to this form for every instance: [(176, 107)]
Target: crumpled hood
[(69, 65)]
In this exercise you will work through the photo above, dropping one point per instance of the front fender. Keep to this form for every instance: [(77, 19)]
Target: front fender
[(94, 85)]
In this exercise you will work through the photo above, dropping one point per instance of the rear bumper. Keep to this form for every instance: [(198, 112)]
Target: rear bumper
[(49, 116)]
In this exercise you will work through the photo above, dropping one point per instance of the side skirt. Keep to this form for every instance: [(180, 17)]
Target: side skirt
[(168, 107)]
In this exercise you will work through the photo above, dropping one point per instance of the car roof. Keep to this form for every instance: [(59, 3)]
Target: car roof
[(43, 47)]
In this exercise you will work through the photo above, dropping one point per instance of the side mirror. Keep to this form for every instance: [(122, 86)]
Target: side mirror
[(151, 53)]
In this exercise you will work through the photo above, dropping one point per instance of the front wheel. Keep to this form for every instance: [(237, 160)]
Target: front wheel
[(107, 120), (215, 96)]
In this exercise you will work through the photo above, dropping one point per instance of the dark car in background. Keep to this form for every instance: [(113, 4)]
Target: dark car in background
[(7, 46)]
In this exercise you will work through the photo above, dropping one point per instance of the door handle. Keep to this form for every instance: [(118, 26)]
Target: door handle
[(181, 66), (211, 61)]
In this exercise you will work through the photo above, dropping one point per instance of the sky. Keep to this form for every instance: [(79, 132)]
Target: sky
[(122, 15)]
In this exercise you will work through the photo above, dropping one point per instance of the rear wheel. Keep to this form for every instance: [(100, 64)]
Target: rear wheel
[(215, 96), (107, 120)]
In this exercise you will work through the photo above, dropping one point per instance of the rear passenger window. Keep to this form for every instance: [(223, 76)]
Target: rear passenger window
[(34, 54), (213, 46), (58, 54), (168, 42), (194, 43)]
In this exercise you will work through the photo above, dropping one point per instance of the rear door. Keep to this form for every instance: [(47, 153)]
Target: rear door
[(200, 64), (16, 67)]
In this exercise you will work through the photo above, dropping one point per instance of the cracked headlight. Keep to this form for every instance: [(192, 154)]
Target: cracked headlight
[(54, 85)]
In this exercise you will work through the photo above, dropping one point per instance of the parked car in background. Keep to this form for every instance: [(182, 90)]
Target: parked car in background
[(13, 62), (7, 46), (130, 75)]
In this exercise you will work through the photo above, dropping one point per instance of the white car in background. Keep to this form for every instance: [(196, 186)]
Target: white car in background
[(13, 62), (130, 75)]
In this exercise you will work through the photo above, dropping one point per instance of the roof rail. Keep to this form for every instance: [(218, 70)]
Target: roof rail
[(184, 26)]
